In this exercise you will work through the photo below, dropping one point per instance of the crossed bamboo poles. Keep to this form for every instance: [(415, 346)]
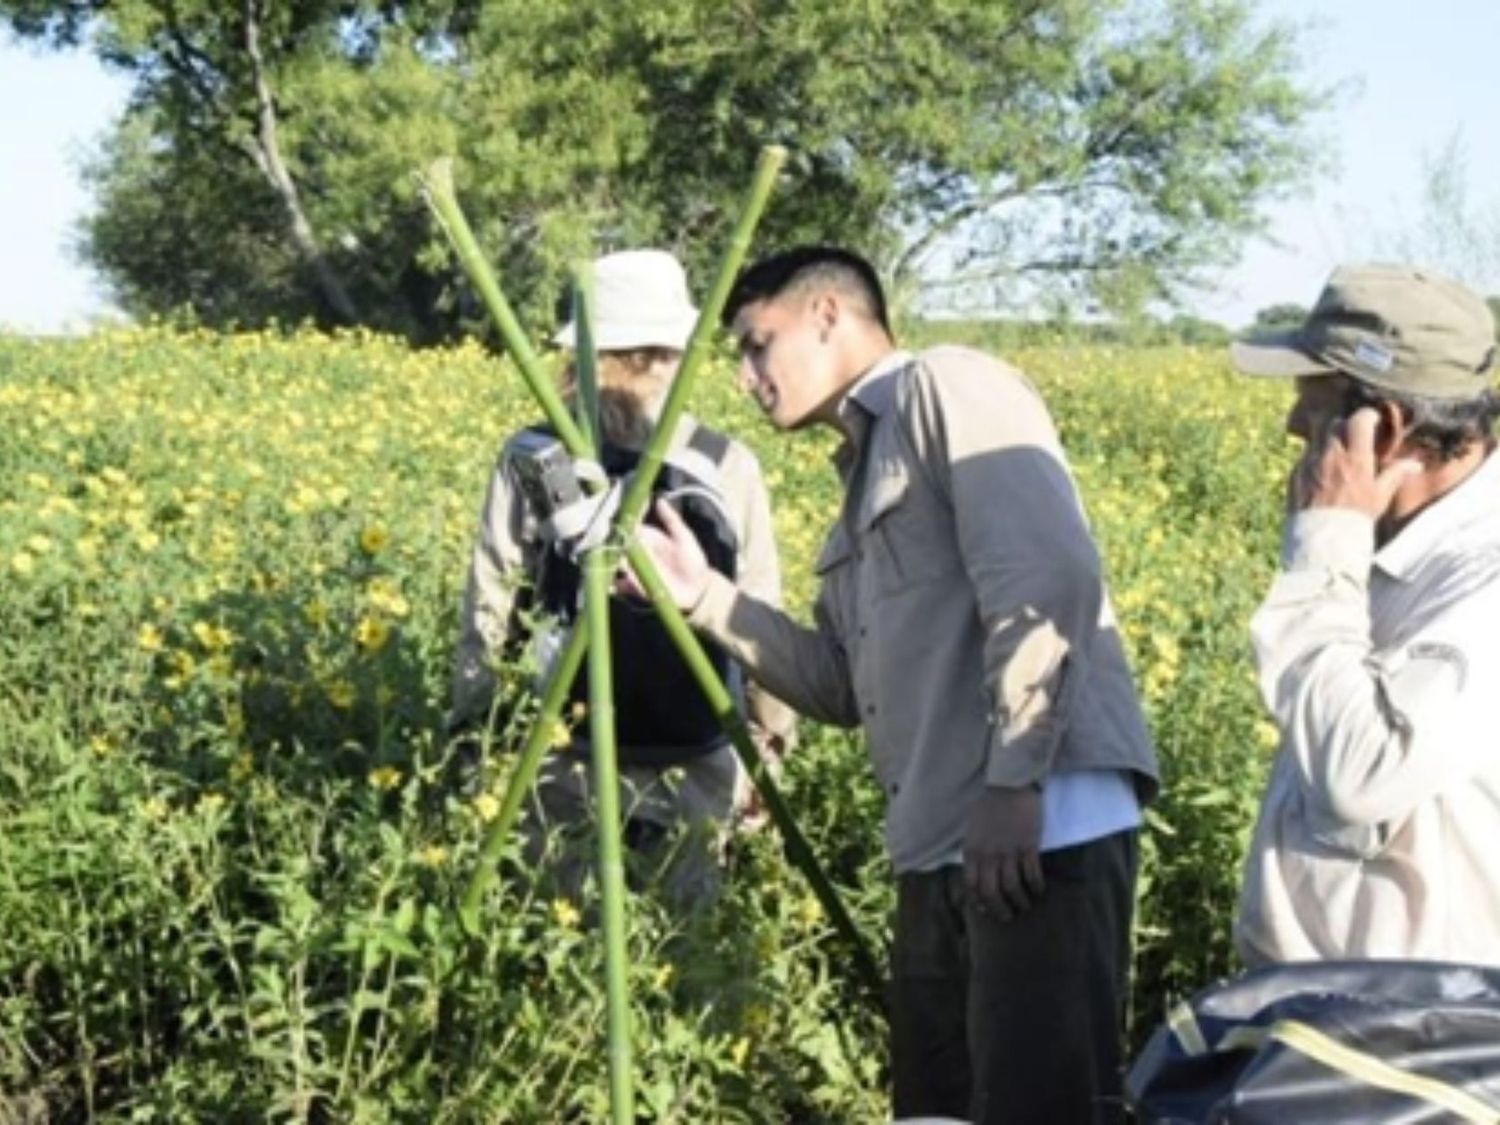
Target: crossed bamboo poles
[(591, 634)]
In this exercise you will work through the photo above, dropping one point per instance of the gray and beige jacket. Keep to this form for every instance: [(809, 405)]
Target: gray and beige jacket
[(961, 617)]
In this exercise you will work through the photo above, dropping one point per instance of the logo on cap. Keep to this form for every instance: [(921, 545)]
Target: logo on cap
[(1375, 357)]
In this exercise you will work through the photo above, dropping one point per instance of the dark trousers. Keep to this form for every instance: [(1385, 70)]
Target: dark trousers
[(1019, 1022)]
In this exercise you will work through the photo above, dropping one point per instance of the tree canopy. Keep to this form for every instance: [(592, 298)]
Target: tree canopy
[(984, 152), (1280, 317)]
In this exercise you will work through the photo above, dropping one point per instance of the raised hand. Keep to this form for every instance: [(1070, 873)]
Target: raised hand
[(1344, 471), (678, 557)]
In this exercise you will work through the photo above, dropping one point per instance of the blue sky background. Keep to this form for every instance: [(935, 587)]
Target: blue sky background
[(1413, 75)]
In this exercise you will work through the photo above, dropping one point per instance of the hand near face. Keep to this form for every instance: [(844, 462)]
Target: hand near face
[(1342, 470)]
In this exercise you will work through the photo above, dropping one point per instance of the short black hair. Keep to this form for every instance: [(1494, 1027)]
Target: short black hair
[(841, 269)]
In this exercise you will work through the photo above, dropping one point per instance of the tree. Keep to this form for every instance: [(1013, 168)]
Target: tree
[(1452, 232), (1279, 317), (983, 151)]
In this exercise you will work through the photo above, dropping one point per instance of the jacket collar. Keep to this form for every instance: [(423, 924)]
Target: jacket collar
[(871, 395), (1477, 495)]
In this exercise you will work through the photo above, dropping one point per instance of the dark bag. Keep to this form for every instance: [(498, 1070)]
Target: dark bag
[(1331, 1042), (661, 716)]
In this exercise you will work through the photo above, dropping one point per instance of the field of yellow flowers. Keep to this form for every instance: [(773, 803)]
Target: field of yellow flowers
[(230, 568)]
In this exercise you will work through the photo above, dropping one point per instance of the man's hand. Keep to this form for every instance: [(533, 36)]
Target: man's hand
[(1342, 471), (1002, 866), (678, 557)]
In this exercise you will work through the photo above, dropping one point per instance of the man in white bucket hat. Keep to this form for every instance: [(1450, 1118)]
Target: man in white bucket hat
[(682, 783), (640, 301)]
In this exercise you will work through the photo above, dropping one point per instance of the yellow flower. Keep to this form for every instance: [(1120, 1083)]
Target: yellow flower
[(385, 777), (663, 976), (22, 563), (486, 807), (434, 855), (565, 914), (149, 639), (562, 736), (372, 633), (316, 613), (340, 693), (102, 745), (385, 595), (810, 911), (374, 539), (39, 544), (210, 802), (154, 808), (212, 637), (740, 1051)]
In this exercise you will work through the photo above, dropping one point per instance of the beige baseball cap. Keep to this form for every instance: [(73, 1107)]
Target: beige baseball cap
[(1398, 327)]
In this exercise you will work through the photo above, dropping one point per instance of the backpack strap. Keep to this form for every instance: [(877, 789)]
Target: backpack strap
[(698, 460), (711, 443)]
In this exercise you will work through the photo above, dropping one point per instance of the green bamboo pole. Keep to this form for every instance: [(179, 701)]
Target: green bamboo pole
[(437, 188), (559, 686), (554, 696), (597, 574), (632, 507), (585, 357), (638, 494), (798, 850)]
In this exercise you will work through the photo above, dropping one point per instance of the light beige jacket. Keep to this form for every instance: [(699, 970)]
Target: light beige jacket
[(504, 556), (1379, 835), (961, 616)]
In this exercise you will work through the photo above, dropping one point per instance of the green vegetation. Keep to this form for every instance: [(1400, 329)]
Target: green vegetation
[(230, 870), (1099, 151)]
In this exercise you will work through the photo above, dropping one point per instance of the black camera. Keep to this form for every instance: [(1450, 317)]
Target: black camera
[(545, 473)]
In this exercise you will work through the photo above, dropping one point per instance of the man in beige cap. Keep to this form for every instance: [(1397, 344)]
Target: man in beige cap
[(1377, 647), (681, 780)]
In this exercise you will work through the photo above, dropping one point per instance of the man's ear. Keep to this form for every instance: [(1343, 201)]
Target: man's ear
[(1390, 433), (826, 310)]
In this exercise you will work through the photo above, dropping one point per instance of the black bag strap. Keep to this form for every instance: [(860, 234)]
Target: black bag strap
[(710, 443)]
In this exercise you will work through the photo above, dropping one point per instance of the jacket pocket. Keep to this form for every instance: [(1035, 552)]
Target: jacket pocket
[(906, 534)]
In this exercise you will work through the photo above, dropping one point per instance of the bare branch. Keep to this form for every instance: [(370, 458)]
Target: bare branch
[(268, 157)]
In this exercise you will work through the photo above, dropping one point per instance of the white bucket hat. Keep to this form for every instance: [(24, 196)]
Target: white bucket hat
[(640, 301)]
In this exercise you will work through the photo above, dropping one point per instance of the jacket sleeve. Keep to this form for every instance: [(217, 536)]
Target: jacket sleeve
[(772, 722), (1372, 733), (497, 565), (985, 435), (804, 666)]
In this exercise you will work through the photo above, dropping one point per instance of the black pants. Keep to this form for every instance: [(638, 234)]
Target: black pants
[(1019, 1022)]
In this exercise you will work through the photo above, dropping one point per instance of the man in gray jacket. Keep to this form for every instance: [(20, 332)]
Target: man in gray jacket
[(962, 621), (1377, 646)]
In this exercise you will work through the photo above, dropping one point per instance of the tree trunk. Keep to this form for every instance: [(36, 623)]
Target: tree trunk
[(268, 155)]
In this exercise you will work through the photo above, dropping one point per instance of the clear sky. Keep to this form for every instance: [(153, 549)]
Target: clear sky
[(1412, 73)]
